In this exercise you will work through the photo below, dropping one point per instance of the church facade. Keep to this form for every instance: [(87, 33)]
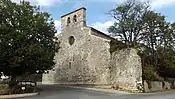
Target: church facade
[(84, 57)]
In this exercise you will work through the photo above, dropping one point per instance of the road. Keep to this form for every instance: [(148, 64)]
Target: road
[(55, 92)]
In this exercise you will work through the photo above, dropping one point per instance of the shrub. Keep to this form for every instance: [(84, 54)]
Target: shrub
[(116, 45), (151, 74)]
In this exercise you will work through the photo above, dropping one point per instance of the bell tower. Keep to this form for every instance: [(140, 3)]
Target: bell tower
[(74, 19)]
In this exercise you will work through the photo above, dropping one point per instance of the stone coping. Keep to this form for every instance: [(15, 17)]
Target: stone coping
[(18, 95)]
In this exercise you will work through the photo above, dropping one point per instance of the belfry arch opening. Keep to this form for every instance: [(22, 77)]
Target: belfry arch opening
[(75, 18), (68, 20)]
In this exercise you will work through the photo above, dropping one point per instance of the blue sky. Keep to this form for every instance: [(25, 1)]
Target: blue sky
[(97, 9)]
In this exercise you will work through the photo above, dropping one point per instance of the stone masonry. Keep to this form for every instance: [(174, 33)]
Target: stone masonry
[(84, 57)]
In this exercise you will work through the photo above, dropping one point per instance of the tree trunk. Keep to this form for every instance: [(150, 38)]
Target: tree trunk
[(12, 82)]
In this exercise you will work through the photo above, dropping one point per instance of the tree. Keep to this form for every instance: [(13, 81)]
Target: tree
[(154, 30), (27, 39), (137, 25), (166, 62), (166, 52), (170, 35), (129, 25)]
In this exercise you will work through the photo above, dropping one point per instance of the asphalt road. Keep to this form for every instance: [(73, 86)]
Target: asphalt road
[(55, 92)]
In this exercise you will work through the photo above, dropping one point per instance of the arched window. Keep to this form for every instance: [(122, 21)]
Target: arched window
[(75, 18), (68, 21)]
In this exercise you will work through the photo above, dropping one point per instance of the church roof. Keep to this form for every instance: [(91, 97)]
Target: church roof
[(100, 34)]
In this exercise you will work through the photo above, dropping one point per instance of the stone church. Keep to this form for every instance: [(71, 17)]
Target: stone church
[(84, 57)]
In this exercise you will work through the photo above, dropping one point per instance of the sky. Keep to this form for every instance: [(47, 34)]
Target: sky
[(96, 14)]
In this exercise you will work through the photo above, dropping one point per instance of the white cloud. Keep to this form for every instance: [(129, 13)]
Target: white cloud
[(155, 4), (42, 2), (102, 26), (58, 26), (161, 3)]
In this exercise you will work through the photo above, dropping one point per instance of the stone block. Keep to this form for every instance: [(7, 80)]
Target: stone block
[(156, 86), (146, 86), (166, 85)]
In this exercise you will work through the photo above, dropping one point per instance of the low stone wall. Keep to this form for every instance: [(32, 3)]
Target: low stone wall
[(151, 86), (33, 77)]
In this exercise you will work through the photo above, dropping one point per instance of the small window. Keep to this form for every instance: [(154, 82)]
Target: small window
[(68, 21), (75, 18), (69, 65), (71, 40)]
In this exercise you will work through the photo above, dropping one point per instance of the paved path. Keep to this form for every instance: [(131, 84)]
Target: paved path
[(54, 92)]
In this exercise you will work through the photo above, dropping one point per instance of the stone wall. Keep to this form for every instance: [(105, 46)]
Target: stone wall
[(84, 62), (96, 66), (151, 86), (81, 19), (126, 70)]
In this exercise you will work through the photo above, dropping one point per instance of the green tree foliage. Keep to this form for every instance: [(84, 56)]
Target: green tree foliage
[(129, 25), (27, 41), (166, 62), (154, 25), (137, 25), (116, 45)]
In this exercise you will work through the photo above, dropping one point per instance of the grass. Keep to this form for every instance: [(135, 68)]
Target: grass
[(4, 89)]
